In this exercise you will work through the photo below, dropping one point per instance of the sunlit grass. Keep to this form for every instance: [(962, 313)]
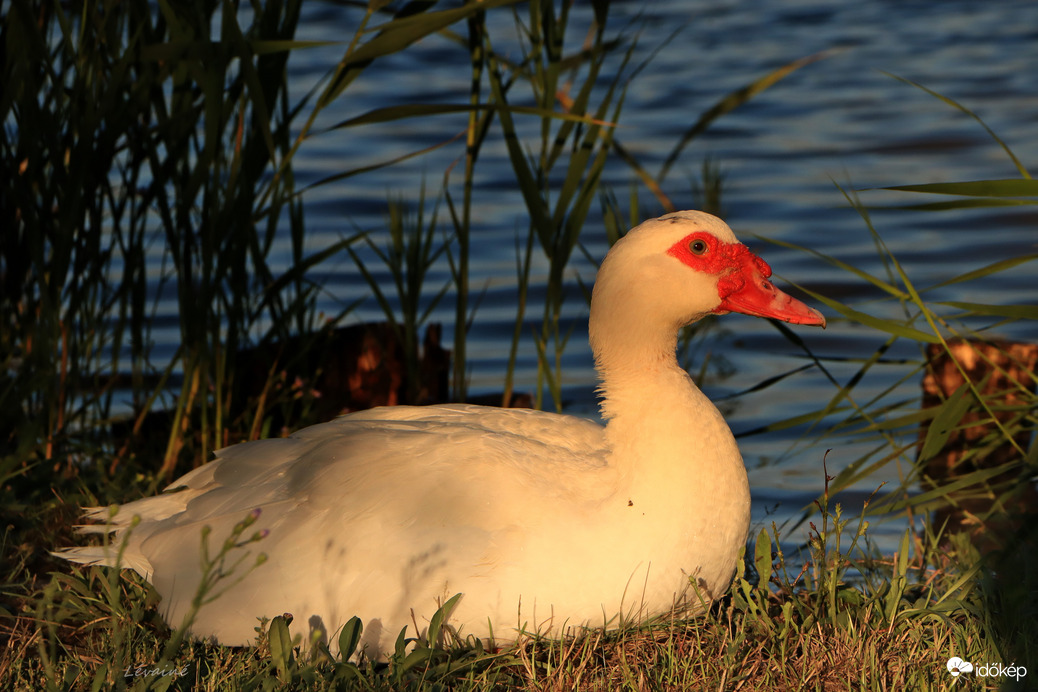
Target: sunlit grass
[(837, 617)]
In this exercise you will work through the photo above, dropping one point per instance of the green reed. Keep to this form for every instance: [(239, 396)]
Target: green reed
[(146, 160), (137, 154)]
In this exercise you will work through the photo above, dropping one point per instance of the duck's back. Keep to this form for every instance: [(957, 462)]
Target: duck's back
[(372, 514)]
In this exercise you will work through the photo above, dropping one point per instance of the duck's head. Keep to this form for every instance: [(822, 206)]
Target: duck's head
[(674, 270)]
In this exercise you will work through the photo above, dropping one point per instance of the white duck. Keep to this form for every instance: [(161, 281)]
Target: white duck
[(542, 521)]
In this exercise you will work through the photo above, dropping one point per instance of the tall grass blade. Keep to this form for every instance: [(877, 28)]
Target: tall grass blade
[(948, 416), (993, 268), (1011, 187), (730, 102), (958, 106)]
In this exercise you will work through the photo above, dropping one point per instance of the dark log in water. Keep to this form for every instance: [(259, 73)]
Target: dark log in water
[(345, 369), (279, 386)]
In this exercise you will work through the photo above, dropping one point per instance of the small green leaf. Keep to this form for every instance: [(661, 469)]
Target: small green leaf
[(422, 655), (851, 596), (899, 578), (350, 637), (438, 618), (401, 644), (949, 415), (762, 560), (281, 647)]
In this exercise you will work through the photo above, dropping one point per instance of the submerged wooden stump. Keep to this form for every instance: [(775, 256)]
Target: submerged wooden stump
[(346, 369), (1003, 373), (356, 368), (282, 385)]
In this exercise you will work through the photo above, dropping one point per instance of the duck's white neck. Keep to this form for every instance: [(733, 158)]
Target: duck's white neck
[(666, 438), (637, 366), (680, 477)]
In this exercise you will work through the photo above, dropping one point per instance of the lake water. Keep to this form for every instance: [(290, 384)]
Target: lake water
[(839, 120)]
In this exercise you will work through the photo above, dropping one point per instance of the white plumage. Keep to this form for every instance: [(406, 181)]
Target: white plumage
[(542, 521)]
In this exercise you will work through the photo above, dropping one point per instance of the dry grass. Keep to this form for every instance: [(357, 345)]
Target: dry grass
[(86, 629)]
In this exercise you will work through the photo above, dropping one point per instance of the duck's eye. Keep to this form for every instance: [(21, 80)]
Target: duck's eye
[(698, 247)]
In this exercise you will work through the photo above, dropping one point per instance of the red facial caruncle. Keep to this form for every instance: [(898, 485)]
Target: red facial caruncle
[(730, 261), (742, 279)]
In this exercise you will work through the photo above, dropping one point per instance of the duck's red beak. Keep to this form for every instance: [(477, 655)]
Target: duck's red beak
[(747, 289)]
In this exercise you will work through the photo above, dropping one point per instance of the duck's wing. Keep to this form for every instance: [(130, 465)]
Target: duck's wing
[(372, 458), (384, 490)]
